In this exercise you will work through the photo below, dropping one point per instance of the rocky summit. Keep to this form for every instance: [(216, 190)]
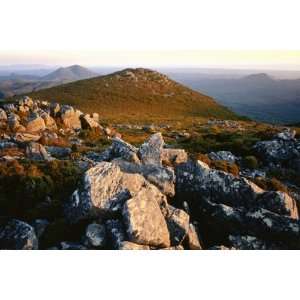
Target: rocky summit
[(71, 182)]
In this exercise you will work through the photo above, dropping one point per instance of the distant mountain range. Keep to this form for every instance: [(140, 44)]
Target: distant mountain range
[(138, 96), (258, 96), (16, 84)]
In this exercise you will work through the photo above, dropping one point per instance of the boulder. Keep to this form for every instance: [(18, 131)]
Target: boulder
[(172, 157), (70, 117), (14, 122), (103, 192), (35, 123), (26, 137), (178, 225), (95, 117), (58, 152), (287, 134), (151, 151), (17, 235), (198, 180), (116, 233), (3, 115), (54, 109), (36, 151), (280, 203), (132, 246), (145, 223), (49, 121), (95, 235), (223, 155), (89, 123), (161, 177), (121, 149)]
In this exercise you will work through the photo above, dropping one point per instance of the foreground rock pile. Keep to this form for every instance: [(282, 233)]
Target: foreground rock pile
[(152, 197)]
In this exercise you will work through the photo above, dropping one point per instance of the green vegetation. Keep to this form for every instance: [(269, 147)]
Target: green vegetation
[(136, 96)]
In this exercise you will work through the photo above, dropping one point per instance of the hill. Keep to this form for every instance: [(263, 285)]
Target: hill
[(257, 96), (68, 74), (136, 95)]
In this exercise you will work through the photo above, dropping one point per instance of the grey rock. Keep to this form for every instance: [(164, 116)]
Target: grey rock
[(151, 151), (248, 242), (144, 220), (104, 190), (17, 235), (121, 149), (222, 155), (58, 152)]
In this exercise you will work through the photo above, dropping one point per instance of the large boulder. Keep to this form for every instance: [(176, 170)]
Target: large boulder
[(49, 121), (35, 123), (144, 220), (163, 178), (200, 181), (103, 192), (14, 122), (17, 235), (151, 151), (36, 151), (70, 117)]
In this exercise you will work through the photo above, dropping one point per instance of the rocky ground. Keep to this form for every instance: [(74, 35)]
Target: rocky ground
[(129, 197)]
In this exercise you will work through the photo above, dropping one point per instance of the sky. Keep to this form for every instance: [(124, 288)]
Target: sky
[(231, 33)]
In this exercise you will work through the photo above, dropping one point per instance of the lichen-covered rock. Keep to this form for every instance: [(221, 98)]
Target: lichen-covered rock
[(280, 203), (132, 246), (17, 235), (95, 235), (222, 155), (178, 225), (161, 177), (121, 149), (145, 223), (248, 242), (70, 117), (103, 192), (172, 157), (214, 185), (35, 123), (36, 151), (115, 233), (151, 151)]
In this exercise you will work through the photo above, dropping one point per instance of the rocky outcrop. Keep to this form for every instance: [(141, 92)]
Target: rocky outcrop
[(17, 235), (35, 123)]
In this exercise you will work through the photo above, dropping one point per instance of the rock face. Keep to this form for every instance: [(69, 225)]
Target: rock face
[(17, 235), (104, 190), (144, 220)]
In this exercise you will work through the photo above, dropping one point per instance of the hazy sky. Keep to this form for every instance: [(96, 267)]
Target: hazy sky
[(156, 32)]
